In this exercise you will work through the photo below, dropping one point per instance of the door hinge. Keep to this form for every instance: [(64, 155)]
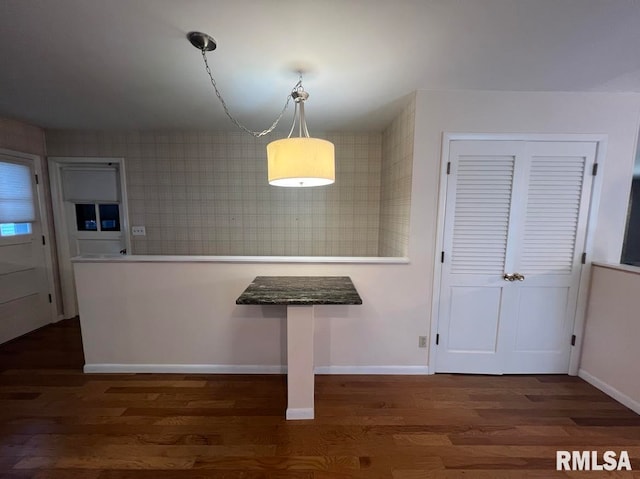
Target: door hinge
[(573, 340), (437, 339), (594, 171), (43, 241), (50, 298), (448, 168), (584, 258), (37, 181), (442, 257)]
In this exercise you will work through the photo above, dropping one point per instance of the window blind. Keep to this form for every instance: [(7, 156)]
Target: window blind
[(90, 184), (16, 194)]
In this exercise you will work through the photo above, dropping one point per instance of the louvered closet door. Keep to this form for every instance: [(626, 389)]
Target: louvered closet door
[(512, 207), (478, 225), (551, 238)]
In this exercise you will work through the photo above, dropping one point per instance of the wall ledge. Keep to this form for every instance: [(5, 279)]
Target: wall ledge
[(627, 268), (237, 259)]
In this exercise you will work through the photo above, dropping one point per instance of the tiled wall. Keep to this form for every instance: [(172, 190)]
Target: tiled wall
[(207, 194), (395, 186)]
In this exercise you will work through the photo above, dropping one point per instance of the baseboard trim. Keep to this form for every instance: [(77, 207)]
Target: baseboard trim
[(611, 391), (401, 370), (185, 368), (295, 413), (106, 368)]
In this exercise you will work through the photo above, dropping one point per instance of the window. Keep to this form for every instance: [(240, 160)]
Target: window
[(15, 229), (97, 217), (86, 217), (17, 210), (109, 217)]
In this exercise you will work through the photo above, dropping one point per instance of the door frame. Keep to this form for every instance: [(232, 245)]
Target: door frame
[(56, 164), (44, 220), (596, 188)]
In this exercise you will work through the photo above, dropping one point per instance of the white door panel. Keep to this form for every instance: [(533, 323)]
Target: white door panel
[(474, 319), (99, 246), (474, 313), (18, 285), (512, 207), (540, 319), (16, 257)]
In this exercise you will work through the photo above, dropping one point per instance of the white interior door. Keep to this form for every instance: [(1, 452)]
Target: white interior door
[(25, 302), (517, 209), (93, 214), (90, 183), (92, 205)]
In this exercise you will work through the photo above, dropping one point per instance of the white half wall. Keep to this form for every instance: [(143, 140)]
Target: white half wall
[(610, 352), (184, 313)]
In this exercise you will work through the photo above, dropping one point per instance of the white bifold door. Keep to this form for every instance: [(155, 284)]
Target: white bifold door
[(514, 235)]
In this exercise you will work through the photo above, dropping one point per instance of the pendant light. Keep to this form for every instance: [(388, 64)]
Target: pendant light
[(299, 161)]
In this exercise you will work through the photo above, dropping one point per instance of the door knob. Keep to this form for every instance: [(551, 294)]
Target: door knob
[(513, 277)]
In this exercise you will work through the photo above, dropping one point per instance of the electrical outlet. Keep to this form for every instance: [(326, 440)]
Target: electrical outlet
[(138, 231), (422, 341)]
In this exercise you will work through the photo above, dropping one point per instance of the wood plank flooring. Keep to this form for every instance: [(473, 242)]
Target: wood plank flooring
[(56, 422)]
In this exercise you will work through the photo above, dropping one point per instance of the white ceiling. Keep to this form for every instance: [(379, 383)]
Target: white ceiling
[(126, 64)]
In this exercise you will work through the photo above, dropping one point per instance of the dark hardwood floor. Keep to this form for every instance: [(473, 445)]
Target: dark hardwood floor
[(56, 422)]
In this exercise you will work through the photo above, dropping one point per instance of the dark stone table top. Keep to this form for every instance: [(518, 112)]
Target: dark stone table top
[(300, 290)]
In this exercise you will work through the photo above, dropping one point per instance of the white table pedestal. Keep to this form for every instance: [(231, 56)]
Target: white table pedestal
[(300, 377), (300, 294)]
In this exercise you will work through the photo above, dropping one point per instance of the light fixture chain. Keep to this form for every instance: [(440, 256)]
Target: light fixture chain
[(256, 134)]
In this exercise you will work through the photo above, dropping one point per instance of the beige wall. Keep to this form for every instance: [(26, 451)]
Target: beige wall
[(395, 183), (207, 194), (610, 354), (18, 136)]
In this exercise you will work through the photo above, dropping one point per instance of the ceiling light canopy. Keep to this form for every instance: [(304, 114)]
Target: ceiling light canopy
[(300, 161)]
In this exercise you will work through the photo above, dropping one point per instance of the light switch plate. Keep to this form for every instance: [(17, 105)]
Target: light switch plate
[(138, 231)]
